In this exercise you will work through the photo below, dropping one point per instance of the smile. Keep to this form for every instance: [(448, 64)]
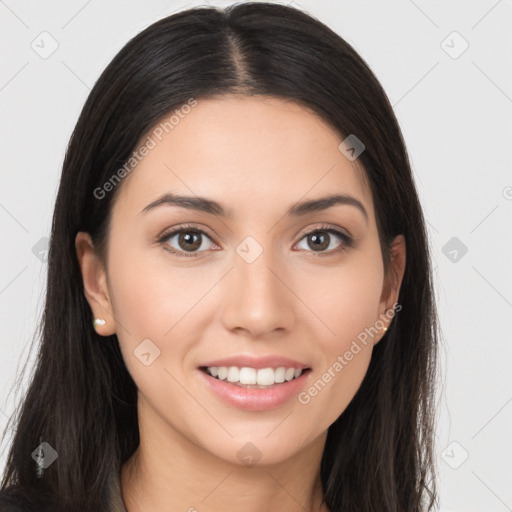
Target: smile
[(254, 397), (248, 377)]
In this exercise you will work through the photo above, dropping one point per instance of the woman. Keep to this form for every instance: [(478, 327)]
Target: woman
[(239, 311)]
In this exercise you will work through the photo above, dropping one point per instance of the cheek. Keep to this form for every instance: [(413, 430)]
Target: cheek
[(152, 299), (346, 299), (335, 386), (149, 298), (149, 295)]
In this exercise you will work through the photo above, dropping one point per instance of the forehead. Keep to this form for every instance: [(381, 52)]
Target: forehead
[(255, 155)]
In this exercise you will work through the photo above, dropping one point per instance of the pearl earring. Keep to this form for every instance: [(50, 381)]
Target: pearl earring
[(99, 321)]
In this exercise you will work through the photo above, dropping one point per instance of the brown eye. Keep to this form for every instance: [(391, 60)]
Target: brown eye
[(324, 241), (186, 240), (318, 241), (189, 240)]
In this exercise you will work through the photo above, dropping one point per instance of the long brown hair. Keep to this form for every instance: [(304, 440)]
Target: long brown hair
[(81, 399)]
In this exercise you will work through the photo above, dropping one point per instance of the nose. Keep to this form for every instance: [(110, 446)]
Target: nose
[(258, 299)]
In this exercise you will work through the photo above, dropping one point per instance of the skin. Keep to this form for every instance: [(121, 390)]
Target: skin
[(257, 157)]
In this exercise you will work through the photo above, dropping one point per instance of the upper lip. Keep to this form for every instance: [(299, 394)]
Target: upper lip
[(270, 361)]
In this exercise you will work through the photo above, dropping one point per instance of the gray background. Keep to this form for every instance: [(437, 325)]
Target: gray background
[(454, 108)]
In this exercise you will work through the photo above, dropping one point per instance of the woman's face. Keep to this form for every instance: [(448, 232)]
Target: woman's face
[(261, 287)]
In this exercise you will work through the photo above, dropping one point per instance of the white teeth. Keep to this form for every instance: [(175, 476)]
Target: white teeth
[(265, 377), (251, 376), (279, 375), (233, 374), (248, 376)]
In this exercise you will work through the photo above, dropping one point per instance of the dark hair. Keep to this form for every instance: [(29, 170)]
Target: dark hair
[(81, 399)]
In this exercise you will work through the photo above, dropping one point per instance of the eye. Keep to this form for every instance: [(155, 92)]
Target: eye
[(189, 241), (320, 240)]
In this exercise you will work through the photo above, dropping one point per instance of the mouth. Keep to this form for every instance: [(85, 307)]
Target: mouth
[(254, 378), (255, 383)]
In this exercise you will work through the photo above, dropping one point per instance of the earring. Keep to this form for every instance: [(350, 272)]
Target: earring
[(384, 329), (99, 321)]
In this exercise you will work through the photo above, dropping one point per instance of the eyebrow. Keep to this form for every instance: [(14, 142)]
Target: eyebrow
[(203, 204)]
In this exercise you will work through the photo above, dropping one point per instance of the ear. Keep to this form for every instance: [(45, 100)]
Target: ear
[(95, 284), (392, 283)]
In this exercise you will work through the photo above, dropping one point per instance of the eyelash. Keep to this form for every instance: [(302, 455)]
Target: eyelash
[(347, 241)]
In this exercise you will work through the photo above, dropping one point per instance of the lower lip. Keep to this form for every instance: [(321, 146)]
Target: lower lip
[(253, 399)]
